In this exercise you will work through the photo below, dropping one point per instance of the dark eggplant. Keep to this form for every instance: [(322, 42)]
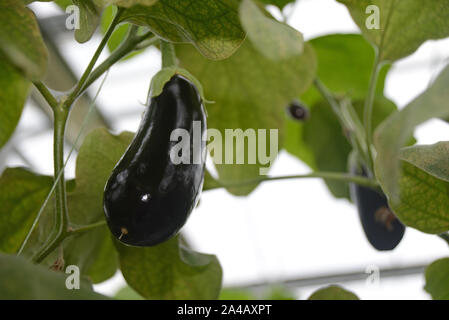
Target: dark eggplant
[(148, 196), (382, 228), (297, 111)]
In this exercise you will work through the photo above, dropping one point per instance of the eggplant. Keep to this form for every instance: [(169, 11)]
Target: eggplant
[(149, 196)]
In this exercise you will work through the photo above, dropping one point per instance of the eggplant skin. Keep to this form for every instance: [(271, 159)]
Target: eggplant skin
[(297, 111), (148, 198), (382, 228)]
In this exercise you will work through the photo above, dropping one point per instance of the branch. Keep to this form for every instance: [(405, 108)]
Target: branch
[(368, 111), (366, 182), (124, 49), (78, 89), (51, 100)]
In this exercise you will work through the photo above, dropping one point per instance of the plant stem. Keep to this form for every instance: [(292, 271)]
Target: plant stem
[(335, 105), (87, 228), (78, 89), (168, 54), (125, 48), (368, 111), (51, 100), (327, 95), (61, 218), (324, 175)]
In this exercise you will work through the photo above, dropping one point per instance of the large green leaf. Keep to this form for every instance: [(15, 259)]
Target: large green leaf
[(394, 132), (21, 195), (404, 24), (13, 94), (250, 92), (20, 39), (212, 26), (94, 251), (345, 62), (20, 279), (430, 158), (423, 188), (437, 279), (333, 293), (170, 271), (423, 200), (273, 39)]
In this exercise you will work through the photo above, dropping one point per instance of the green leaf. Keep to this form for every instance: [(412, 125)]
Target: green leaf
[(250, 92), (333, 293), (273, 39), (94, 251), (89, 20), (437, 279), (128, 293), (423, 200), (19, 279), (323, 135), (130, 3), (423, 188), (209, 181), (345, 62), (278, 3), (120, 31), (432, 159), (395, 131), (404, 24), (13, 94), (212, 26), (164, 75), (21, 195), (20, 39), (170, 271)]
